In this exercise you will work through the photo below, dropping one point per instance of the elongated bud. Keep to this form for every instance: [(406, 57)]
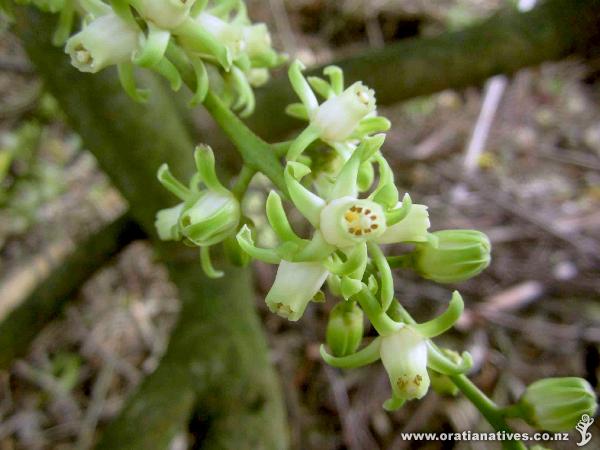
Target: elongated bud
[(165, 14), (167, 223), (211, 218), (452, 255), (105, 41), (295, 286), (344, 328), (339, 116), (404, 356), (557, 404)]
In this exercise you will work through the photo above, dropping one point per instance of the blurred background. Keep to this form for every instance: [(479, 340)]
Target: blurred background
[(518, 159)]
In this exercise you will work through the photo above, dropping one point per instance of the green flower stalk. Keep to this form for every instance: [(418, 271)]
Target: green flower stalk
[(452, 256), (556, 404), (107, 40), (344, 328), (205, 217), (346, 116)]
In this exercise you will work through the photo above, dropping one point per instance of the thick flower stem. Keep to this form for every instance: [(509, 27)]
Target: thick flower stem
[(257, 153)]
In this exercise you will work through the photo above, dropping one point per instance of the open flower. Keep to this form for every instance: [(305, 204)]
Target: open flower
[(346, 228), (347, 115), (206, 216), (405, 349), (106, 41)]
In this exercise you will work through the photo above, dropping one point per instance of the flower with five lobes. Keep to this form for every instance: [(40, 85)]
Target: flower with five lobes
[(346, 116), (346, 228), (205, 216), (405, 349)]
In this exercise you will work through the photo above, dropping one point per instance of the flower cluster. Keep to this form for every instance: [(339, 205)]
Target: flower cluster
[(329, 178), (352, 215), (215, 40)]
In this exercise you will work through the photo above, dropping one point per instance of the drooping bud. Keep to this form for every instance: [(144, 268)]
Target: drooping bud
[(339, 116), (167, 223), (452, 256), (105, 41), (210, 218), (404, 356), (295, 286), (557, 404), (344, 328), (166, 14)]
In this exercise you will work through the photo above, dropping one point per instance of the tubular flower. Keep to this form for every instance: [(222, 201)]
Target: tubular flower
[(106, 41), (296, 284), (405, 349), (206, 216), (346, 116)]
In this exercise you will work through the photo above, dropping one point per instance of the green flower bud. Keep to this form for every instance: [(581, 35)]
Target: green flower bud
[(105, 41), (210, 218), (557, 404), (442, 384), (452, 256), (167, 223), (344, 328)]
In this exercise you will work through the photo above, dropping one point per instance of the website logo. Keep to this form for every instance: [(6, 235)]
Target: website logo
[(582, 426)]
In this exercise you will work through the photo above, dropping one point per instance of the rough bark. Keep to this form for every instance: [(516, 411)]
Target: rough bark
[(504, 43), (216, 367), (48, 299)]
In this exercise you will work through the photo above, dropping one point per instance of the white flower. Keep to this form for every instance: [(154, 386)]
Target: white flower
[(167, 221), (295, 286), (338, 117), (105, 41), (228, 34), (166, 14), (404, 356)]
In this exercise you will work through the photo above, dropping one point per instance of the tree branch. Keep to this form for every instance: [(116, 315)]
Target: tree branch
[(504, 43), (216, 366)]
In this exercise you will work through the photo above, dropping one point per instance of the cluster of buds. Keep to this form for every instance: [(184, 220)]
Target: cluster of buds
[(214, 39)]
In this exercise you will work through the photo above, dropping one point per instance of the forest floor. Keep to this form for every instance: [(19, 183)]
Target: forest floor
[(536, 192)]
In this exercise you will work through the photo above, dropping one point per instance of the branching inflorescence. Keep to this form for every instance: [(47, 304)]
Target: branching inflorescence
[(334, 174)]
